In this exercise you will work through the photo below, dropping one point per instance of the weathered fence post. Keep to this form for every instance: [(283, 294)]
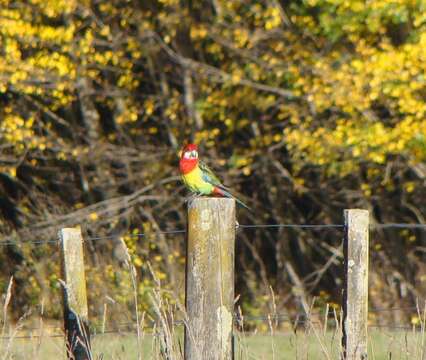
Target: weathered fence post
[(210, 279), (76, 322), (355, 292)]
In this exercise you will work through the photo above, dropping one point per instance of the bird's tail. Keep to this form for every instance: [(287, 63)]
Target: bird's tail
[(224, 193)]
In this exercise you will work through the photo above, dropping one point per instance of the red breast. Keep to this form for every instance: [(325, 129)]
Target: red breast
[(187, 165)]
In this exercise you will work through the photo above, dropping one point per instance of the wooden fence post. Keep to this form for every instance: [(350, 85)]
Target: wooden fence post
[(210, 279), (355, 292), (76, 322)]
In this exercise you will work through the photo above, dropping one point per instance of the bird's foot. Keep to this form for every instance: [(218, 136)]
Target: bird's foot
[(192, 197)]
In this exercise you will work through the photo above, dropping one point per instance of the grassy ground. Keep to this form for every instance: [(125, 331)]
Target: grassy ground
[(382, 346)]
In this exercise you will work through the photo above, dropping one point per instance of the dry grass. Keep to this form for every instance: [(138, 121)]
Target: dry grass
[(383, 345), (319, 341)]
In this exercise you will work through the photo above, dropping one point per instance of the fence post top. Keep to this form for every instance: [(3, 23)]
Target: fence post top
[(206, 200), (357, 211), (66, 235), (76, 229), (360, 217)]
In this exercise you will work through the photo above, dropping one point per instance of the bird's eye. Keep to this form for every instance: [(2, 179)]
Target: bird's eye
[(187, 155), (194, 154)]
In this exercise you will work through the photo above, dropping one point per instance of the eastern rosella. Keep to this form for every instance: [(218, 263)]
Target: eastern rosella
[(199, 178)]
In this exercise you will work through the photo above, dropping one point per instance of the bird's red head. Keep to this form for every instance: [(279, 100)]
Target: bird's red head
[(188, 158), (189, 151)]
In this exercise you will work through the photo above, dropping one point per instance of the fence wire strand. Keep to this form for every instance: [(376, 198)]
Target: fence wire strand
[(9, 242), (294, 320)]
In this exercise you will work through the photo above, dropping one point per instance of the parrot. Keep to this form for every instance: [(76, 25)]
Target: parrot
[(198, 178)]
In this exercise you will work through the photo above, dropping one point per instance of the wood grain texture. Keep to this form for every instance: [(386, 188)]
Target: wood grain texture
[(210, 279), (74, 294), (355, 293)]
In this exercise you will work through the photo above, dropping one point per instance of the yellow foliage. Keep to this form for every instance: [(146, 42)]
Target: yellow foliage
[(93, 216), (355, 87)]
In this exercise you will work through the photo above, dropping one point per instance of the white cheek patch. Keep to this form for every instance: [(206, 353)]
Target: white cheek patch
[(187, 155)]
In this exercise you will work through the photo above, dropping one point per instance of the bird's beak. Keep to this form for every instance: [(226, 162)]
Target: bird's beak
[(180, 154)]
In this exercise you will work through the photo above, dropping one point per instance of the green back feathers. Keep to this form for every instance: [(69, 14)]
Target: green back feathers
[(208, 175)]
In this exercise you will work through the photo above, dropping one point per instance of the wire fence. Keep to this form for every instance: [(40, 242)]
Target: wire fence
[(274, 319), (14, 241), (293, 319)]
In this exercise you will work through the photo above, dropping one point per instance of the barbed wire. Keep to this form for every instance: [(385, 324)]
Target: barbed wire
[(89, 238), (166, 232), (398, 226), (10, 242), (300, 226)]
